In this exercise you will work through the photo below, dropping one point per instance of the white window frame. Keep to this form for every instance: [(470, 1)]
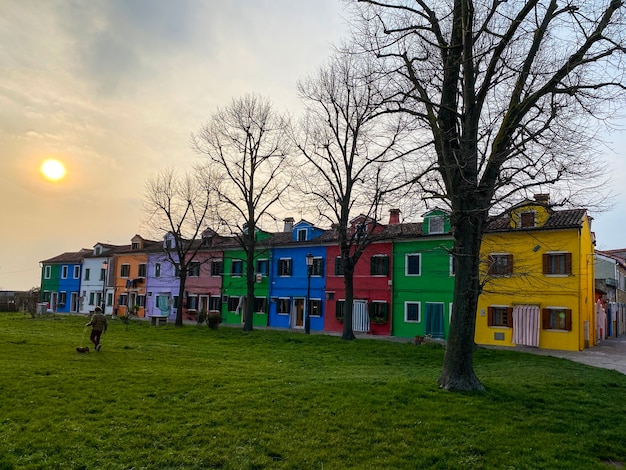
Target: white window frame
[(406, 264), (419, 311), (64, 271), (77, 272), (47, 272), (439, 219)]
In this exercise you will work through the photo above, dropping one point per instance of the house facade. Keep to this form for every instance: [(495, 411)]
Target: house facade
[(537, 273), (60, 281), (293, 282), (423, 277), (610, 279)]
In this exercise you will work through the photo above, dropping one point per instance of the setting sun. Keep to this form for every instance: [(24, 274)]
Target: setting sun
[(52, 169)]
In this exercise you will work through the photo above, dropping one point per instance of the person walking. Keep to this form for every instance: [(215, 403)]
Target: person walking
[(98, 325)]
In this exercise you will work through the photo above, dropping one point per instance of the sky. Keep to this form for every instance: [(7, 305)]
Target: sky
[(114, 89)]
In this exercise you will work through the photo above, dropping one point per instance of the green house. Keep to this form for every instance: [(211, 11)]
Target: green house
[(234, 289), (423, 277)]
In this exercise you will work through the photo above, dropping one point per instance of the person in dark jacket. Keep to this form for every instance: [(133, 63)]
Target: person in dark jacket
[(98, 325)]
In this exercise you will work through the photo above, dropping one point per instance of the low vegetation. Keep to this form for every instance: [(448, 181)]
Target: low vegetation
[(166, 397)]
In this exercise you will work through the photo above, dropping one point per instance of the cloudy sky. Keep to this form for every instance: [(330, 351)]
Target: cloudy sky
[(114, 88)]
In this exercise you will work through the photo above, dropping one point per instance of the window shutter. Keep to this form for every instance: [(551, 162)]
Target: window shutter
[(489, 316), (568, 263), (509, 317), (546, 264), (509, 264), (545, 318), (386, 265), (568, 319)]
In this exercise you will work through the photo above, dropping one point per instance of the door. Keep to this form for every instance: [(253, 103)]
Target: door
[(74, 300), (526, 325), (360, 317), (298, 313), (433, 320)]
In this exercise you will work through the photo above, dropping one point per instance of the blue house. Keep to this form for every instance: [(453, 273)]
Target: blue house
[(290, 282)]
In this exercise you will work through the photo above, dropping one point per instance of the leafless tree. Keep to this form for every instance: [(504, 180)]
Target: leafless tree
[(180, 206), (353, 152), (508, 93), (248, 145)]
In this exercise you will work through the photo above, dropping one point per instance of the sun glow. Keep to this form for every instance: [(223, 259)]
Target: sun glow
[(52, 169)]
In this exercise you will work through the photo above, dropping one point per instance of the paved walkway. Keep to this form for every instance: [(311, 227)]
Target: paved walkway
[(608, 354)]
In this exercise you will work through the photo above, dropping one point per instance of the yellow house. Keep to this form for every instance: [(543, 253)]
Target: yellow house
[(537, 273)]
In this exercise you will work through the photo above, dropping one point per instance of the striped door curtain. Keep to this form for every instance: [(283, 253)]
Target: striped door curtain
[(526, 325)]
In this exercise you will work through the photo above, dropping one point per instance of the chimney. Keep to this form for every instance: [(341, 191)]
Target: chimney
[(394, 216), (542, 198), (288, 224)]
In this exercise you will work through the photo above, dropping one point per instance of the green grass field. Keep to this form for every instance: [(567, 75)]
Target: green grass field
[(166, 397)]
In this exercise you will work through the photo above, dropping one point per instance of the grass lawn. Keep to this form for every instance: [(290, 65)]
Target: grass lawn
[(191, 397)]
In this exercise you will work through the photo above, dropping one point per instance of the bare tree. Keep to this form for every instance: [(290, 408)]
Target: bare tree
[(353, 152), (180, 206), (247, 143), (508, 94)]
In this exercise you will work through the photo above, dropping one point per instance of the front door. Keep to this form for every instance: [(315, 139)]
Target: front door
[(298, 313), (360, 317), (433, 321), (526, 325)]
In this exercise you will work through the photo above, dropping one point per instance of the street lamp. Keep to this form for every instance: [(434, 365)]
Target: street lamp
[(307, 317), (105, 266)]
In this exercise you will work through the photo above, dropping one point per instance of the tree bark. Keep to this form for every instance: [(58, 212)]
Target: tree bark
[(458, 370)]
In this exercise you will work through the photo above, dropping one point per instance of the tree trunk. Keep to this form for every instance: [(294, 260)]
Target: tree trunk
[(458, 370), (348, 332), (181, 293), (248, 311)]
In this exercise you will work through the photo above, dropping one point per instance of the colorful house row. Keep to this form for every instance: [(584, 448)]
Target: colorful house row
[(537, 271)]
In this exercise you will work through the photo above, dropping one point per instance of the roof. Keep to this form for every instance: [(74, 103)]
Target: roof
[(69, 257), (568, 218)]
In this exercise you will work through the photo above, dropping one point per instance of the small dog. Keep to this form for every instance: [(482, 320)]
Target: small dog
[(83, 349)]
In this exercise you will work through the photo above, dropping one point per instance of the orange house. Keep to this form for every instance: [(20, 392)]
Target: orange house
[(130, 277)]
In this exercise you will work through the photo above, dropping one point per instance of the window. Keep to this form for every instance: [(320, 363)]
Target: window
[(301, 234), (64, 272), (47, 272), (284, 267), (109, 298), (99, 298), (452, 265), (215, 303), (125, 270), (500, 265), (414, 264), (192, 302), (194, 269), (217, 267), (157, 270), (103, 274), (168, 244), (134, 246), (360, 231), (338, 267), (87, 272), (340, 309), (412, 312), (260, 304), (177, 270), (556, 318), (62, 298), (316, 307), (379, 265), (283, 306), (91, 298), (76, 272), (379, 312), (435, 225), (237, 268), (527, 219), (500, 315), (141, 300), (142, 270), (557, 263), (123, 299), (318, 267), (262, 267), (234, 303)]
